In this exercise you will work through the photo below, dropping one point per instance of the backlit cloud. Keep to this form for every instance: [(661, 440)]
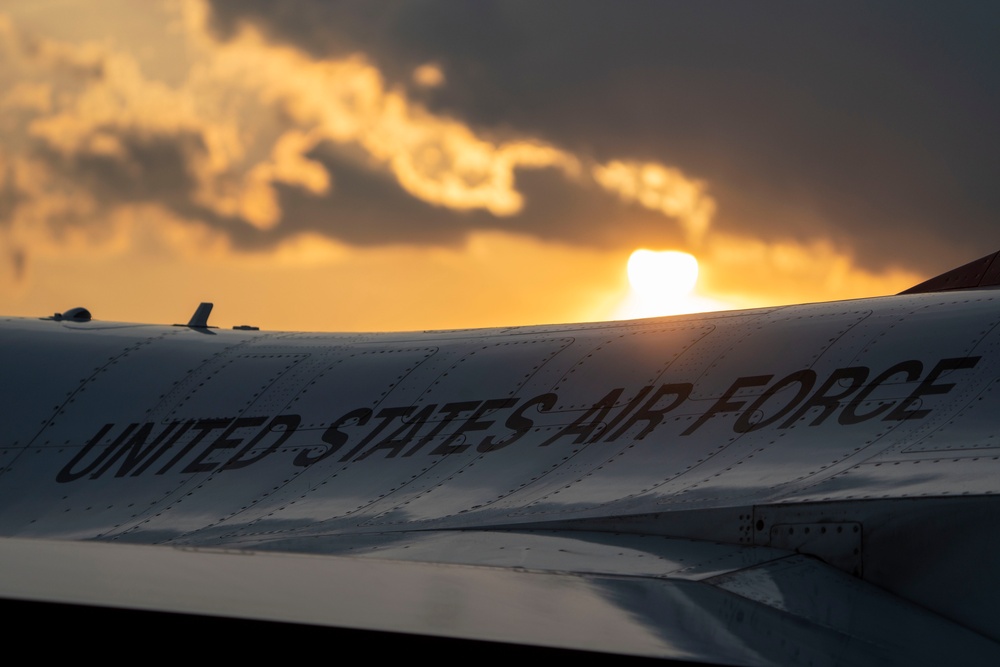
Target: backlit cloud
[(661, 188), (745, 272), (241, 133), (428, 75), (432, 157)]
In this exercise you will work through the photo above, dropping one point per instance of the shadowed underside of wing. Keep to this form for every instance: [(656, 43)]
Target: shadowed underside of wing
[(638, 596)]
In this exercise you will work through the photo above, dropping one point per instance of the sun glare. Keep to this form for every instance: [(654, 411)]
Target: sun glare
[(666, 274), (662, 284)]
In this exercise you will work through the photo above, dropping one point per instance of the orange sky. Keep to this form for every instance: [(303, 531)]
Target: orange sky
[(95, 115)]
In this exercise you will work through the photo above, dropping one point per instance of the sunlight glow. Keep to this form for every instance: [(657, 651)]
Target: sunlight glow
[(662, 283), (668, 274)]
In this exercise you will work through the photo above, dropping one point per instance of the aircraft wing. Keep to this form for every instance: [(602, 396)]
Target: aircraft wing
[(809, 485), (677, 599)]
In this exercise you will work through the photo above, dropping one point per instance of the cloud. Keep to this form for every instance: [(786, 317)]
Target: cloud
[(428, 75), (256, 130), (347, 102), (287, 165), (661, 188), (733, 270), (872, 126), (35, 96)]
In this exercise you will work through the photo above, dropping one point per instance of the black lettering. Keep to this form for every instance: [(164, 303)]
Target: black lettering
[(206, 426), (518, 423), (805, 379), (928, 388), (290, 422), (850, 415), (139, 438), (856, 374), (223, 442), (167, 445), (394, 442), (624, 412), (724, 404), (452, 410), (653, 416), (589, 421), (473, 424), (134, 451), (386, 415), (67, 474), (334, 437)]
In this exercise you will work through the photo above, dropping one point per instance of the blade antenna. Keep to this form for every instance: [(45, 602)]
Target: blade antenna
[(200, 318)]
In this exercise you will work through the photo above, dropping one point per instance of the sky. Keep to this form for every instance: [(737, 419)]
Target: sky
[(350, 166)]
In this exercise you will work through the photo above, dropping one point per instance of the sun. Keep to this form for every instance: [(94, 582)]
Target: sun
[(662, 284), (667, 274)]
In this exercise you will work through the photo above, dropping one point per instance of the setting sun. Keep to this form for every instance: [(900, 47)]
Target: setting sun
[(667, 274), (662, 284)]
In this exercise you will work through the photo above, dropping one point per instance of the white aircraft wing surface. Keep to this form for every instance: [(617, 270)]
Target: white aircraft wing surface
[(806, 485)]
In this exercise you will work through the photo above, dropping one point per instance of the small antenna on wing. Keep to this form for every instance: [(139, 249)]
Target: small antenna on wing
[(200, 318)]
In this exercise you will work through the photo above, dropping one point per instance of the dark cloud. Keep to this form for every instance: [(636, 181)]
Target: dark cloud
[(10, 197), (146, 167), (18, 262), (872, 124), (365, 207), (368, 208)]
